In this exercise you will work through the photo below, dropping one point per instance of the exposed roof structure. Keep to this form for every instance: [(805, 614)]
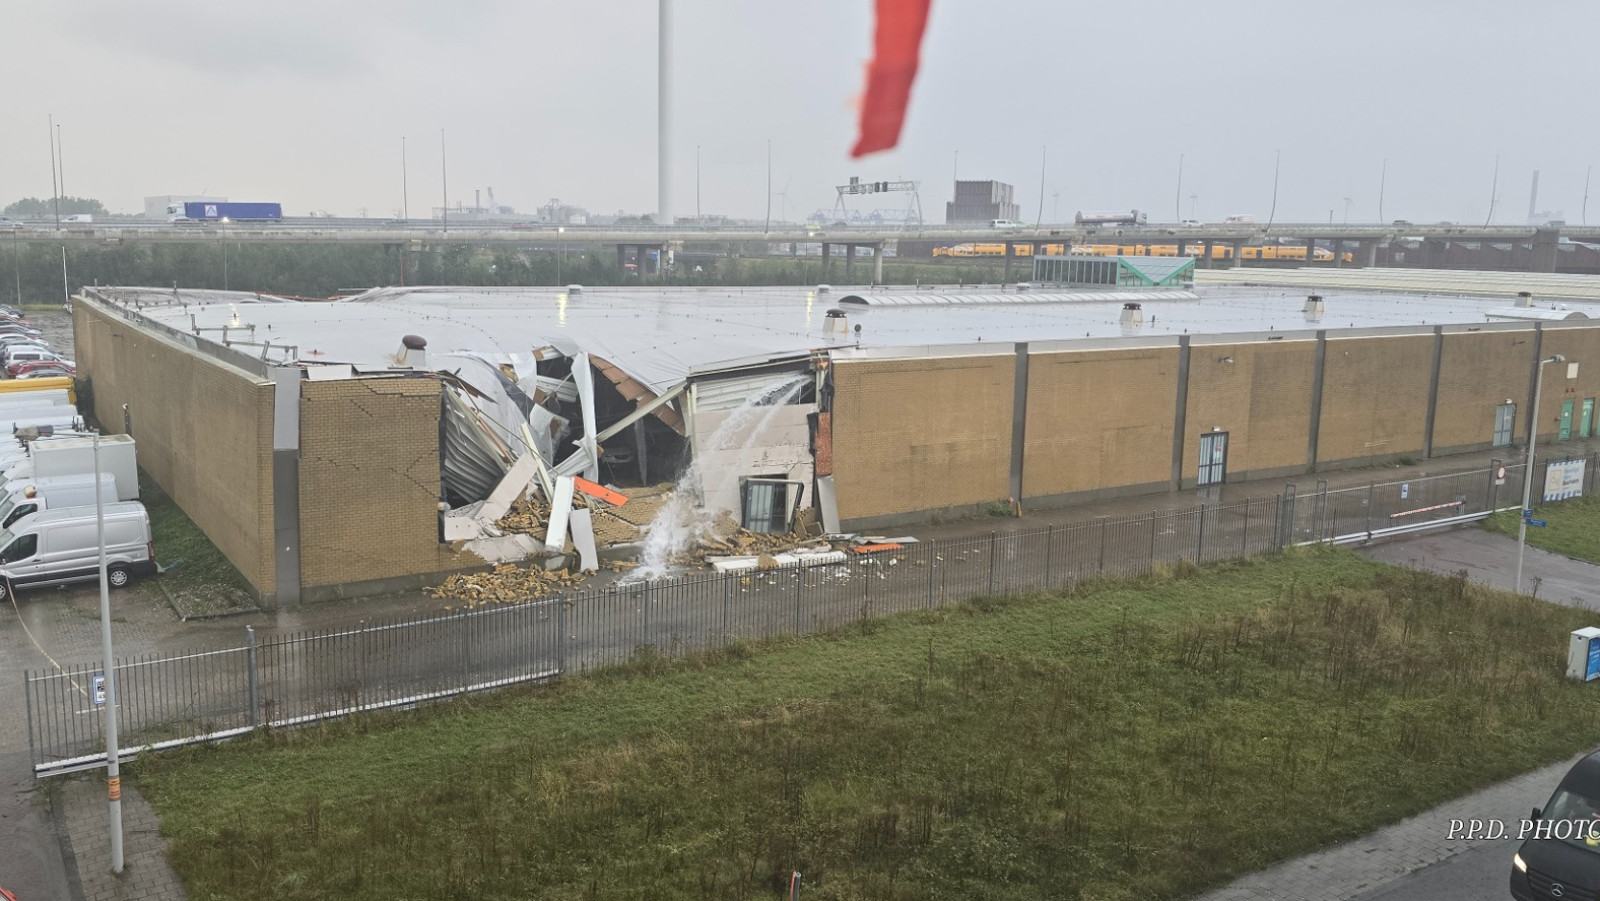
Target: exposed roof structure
[(1428, 281)]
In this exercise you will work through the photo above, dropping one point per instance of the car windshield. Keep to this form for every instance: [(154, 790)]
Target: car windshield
[(1583, 815)]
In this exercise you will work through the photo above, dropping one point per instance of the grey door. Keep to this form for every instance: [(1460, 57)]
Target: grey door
[(1213, 458), (1504, 416)]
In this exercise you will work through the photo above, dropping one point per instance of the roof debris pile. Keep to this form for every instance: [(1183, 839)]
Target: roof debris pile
[(507, 583)]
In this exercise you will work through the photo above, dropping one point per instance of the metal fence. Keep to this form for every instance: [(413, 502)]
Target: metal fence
[(292, 679)]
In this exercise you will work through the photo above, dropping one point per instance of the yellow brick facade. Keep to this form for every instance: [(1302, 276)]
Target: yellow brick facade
[(369, 481), (1260, 394), (204, 432), (921, 434), (1479, 371), (1374, 398), (1098, 419)]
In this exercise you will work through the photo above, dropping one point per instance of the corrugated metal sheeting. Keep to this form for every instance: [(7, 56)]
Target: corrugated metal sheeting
[(1428, 281)]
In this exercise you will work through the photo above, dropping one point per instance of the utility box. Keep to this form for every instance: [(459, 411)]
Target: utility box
[(1583, 655)]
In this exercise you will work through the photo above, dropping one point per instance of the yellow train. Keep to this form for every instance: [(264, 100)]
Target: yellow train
[(1268, 252)]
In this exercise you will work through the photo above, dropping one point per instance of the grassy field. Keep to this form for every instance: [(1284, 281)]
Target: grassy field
[(1573, 530), (1138, 740)]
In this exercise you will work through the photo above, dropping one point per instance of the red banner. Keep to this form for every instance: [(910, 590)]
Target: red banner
[(891, 73)]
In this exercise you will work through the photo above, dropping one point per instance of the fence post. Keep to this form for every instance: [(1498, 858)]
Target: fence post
[(933, 553), (1200, 542), (1494, 490), (645, 606), (994, 540), (1152, 566), (361, 664), (1049, 551), (1372, 491), (1277, 524), (727, 603), (799, 588), (1100, 569), (1244, 543), (561, 637), (27, 693), (250, 664)]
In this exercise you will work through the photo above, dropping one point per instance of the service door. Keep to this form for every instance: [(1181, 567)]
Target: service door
[(1586, 421), (1213, 458), (1504, 419), (1566, 420)]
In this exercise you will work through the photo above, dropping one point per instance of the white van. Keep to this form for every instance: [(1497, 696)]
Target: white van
[(58, 547), (24, 496)]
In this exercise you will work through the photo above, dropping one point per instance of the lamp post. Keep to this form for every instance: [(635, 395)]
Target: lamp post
[(16, 260), (113, 769), (1527, 469)]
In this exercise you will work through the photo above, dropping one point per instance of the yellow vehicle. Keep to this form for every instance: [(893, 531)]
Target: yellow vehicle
[(1279, 253)]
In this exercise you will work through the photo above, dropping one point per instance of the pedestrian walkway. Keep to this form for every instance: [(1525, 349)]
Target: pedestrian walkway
[(83, 815), (1348, 871)]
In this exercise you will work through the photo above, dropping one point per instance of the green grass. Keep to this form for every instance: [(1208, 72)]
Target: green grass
[(1137, 740), (203, 581), (1573, 530)]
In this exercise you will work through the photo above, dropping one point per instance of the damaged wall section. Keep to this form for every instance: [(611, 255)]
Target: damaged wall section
[(369, 486)]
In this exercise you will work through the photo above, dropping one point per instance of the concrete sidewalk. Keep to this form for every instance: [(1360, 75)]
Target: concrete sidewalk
[(1348, 871)]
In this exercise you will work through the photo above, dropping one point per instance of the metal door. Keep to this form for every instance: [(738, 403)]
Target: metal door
[(1586, 421), (1505, 416), (1213, 458), (1566, 420)]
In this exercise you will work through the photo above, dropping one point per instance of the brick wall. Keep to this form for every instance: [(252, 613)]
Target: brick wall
[(1098, 420), (1374, 398), (1578, 345), (1479, 371), (369, 482), (1260, 394), (921, 434), (204, 432)]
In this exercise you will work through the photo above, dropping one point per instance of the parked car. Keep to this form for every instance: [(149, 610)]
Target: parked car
[(21, 367), (1562, 857), (20, 353), (16, 328), (50, 372)]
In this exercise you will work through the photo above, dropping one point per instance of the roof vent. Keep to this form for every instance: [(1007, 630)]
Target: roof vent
[(1524, 298), (1022, 287), (1132, 314), (574, 289), (836, 322), (1314, 305), (824, 289), (414, 351)]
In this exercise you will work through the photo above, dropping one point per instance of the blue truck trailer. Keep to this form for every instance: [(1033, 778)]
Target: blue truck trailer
[(216, 212)]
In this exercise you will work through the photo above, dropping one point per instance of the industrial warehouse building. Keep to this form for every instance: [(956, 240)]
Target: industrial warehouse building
[(324, 445)]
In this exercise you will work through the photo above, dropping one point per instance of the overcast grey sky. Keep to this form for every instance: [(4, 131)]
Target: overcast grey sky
[(306, 103)]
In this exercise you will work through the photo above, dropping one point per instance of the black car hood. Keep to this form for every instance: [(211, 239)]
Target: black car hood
[(1562, 862)]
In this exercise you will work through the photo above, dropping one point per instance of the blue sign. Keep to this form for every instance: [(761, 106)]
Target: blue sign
[(1537, 522), (1592, 670)]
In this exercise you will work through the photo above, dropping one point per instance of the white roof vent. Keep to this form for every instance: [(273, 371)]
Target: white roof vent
[(574, 289), (1314, 305), (1132, 314), (824, 289), (1524, 298)]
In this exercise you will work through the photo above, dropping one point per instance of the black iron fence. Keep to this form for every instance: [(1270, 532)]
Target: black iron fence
[(290, 679)]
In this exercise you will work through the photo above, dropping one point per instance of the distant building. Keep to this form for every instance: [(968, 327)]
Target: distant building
[(981, 201), (156, 207)]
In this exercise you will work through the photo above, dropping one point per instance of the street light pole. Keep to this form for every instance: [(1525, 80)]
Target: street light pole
[(113, 769), (561, 252), (1527, 469)]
